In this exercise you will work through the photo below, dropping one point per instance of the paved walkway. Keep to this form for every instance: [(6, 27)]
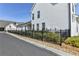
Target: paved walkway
[(11, 46)]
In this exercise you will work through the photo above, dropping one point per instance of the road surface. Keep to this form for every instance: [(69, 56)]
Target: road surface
[(11, 46)]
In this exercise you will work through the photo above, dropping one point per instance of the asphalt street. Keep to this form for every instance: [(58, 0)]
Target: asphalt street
[(12, 46)]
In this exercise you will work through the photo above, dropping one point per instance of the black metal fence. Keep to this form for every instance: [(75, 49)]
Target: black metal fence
[(54, 37)]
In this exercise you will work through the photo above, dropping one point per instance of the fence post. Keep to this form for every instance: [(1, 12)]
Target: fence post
[(32, 33), (60, 38), (42, 33), (25, 31), (21, 31), (15, 30)]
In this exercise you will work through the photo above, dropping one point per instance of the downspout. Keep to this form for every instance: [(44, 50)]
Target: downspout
[(69, 13)]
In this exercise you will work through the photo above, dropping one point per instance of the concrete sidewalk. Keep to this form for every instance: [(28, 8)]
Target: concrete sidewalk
[(32, 41)]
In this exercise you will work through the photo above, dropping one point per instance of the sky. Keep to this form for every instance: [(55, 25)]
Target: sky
[(19, 12), (77, 9)]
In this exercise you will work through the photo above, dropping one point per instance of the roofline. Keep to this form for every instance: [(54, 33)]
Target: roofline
[(24, 23), (50, 3), (33, 5), (36, 3)]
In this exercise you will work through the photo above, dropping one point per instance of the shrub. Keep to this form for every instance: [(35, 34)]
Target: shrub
[(45, 35), (37, 35), (28, 33), (54, 37), (73, 41)]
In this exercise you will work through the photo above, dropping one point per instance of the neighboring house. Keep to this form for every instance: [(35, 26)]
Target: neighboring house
[(12, 26), (55, 17), (24, 26), (18, 26), (3, 24)]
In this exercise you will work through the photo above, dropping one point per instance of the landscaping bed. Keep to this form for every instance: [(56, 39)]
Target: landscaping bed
[(65, 47), (70, 45), (52, 37), (73, 41)]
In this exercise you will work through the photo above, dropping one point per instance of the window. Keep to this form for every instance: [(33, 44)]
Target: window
[(38, 14), (43, 26), (37, 27), (10, 26), (33, 26), (32, 16)]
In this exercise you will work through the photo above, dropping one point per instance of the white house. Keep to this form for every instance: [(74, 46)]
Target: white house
[(24, 26), (18, 26), (11, 26), (55, 16)]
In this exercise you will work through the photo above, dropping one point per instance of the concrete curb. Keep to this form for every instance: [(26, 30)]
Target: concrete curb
[(59, 52)]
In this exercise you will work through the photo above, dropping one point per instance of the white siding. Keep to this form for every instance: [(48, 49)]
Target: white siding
[(54, 16), (73, 27), (74, 23), (23, 28)]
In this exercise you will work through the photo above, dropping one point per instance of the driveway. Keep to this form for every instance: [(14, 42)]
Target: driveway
[(11, 46)]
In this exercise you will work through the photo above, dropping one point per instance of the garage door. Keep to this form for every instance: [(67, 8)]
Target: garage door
[(2, 29)]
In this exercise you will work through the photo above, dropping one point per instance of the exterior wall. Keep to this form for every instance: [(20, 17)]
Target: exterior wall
[(73, 27), (74, 23), (23, 28), (54, 16), (19, 28), (78, 29)]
